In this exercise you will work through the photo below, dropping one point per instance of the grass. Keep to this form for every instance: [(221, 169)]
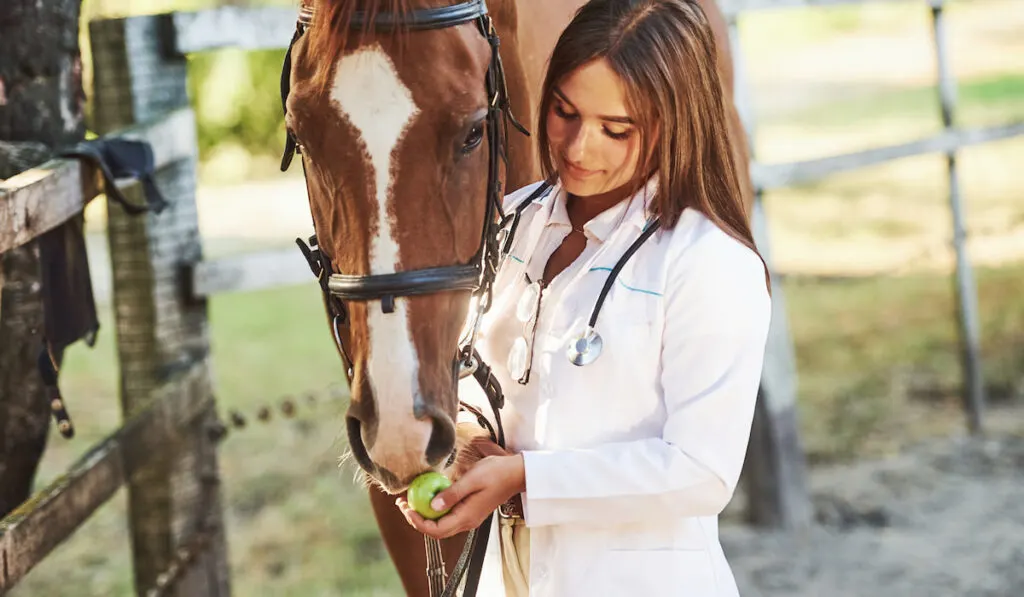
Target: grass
[(879, 361), (988, 100), (885, 115)]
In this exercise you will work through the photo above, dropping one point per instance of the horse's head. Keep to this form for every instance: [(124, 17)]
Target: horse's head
[(392, 128)]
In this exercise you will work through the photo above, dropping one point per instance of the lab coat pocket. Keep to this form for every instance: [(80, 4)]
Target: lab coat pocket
[(654, 573)]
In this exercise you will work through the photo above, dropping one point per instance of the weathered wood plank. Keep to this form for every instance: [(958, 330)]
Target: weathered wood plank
[(263, 28), (159, 328), (53, 514), (45, 197), (253, 271), (774, 176), (41, 199)]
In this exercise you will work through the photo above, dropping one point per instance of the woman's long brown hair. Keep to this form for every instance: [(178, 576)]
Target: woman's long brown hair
[(665, 54)]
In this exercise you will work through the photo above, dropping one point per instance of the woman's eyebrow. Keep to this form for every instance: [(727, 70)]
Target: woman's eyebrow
[(618, 119)]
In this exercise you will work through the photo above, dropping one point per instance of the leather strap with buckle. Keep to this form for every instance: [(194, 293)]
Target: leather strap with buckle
[(513, 508)]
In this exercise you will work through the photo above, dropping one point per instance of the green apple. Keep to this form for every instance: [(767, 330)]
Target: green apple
[(423, 489)]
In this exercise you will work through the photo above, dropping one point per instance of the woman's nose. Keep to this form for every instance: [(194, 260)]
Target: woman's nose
[(576, 150)]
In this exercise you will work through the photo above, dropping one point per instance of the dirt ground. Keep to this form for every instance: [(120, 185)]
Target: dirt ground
[(945, 519)]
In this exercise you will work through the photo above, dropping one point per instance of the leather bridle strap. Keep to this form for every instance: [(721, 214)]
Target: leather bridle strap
[(387, 286), (422, 19)]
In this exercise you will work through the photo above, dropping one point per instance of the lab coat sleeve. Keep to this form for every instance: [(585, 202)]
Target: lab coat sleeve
[(716, 326)]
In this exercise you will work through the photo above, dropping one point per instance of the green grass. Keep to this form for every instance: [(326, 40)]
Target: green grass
[(878, 358), (988, 100), (883, 116)]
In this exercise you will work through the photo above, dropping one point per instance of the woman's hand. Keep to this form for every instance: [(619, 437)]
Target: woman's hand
[(487, 485), (474, 446)]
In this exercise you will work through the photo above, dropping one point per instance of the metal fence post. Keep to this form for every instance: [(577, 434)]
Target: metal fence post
[(966, 294)]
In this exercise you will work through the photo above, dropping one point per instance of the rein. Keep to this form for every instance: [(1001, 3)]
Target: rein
[(476, 276)]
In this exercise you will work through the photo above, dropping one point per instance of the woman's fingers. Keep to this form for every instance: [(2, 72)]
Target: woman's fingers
[(464, 516), (415, 519)]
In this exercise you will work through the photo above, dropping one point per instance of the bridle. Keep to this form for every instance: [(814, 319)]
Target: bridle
[(476, 276)]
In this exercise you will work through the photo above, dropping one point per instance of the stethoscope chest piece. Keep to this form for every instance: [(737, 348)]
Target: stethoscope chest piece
[(585, 348)]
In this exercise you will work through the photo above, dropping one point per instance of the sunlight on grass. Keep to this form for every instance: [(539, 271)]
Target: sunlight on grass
[(885, 117), (878, 359)]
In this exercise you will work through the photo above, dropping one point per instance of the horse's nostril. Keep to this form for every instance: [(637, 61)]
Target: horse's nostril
[(442, 439), (355, 440)]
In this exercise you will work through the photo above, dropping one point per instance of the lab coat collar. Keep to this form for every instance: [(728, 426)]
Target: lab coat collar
[(635, 211)]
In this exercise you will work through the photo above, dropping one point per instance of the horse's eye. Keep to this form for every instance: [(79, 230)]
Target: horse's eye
[(473, 139)]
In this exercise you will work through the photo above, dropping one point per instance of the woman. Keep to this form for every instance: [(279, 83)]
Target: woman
[(626, 439)]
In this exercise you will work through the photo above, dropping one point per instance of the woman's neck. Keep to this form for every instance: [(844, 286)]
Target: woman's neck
[(583, 209)]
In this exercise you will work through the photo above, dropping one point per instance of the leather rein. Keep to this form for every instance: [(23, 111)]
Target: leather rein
[(476, 276)]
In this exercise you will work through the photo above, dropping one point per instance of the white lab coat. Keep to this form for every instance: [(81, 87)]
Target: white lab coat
[(629, 460)]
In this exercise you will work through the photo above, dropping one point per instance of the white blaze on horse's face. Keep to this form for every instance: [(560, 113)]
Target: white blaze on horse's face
[(370, 95)]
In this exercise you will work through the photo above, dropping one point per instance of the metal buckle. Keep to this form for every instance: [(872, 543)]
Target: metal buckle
[(504, 513)]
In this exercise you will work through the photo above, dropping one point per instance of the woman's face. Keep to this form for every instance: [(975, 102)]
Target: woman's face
[(594, 142)]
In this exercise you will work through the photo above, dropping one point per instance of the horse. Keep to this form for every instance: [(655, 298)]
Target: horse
[(403, 113)]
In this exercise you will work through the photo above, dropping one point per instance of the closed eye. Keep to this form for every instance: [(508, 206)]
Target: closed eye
[(562, 113), (618, 136)]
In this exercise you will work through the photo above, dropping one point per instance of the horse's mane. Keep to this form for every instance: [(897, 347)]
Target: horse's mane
[(330, 32)]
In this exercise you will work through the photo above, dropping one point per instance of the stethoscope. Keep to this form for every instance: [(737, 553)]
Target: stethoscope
[(587, 346)]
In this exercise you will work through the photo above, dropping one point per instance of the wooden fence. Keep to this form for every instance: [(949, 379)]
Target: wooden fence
[(164, 452)]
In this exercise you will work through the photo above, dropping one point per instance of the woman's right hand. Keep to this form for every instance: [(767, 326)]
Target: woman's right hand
[(474, 445)]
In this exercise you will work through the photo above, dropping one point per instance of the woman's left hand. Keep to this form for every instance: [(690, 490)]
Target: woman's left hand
[(477, 493)]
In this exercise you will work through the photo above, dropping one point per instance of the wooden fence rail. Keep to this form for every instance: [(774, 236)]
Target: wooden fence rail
[(32, 531), (40, 199)]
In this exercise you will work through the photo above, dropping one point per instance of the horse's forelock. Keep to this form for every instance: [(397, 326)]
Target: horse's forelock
[(330, 32)]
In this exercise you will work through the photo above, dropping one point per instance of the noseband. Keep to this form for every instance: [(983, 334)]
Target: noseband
[(476, 276)]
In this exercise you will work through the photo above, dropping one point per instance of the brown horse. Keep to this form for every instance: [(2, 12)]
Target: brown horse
[(392, 126)]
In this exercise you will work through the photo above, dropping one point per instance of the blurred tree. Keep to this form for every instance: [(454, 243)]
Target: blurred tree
[(235, 92), (238, 102)]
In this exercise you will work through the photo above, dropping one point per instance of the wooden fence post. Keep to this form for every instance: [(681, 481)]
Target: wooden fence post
[(40, 110), (775, 469), (162, 332)]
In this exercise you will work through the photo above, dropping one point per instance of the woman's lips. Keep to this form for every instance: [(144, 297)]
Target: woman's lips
[(579, 173)]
